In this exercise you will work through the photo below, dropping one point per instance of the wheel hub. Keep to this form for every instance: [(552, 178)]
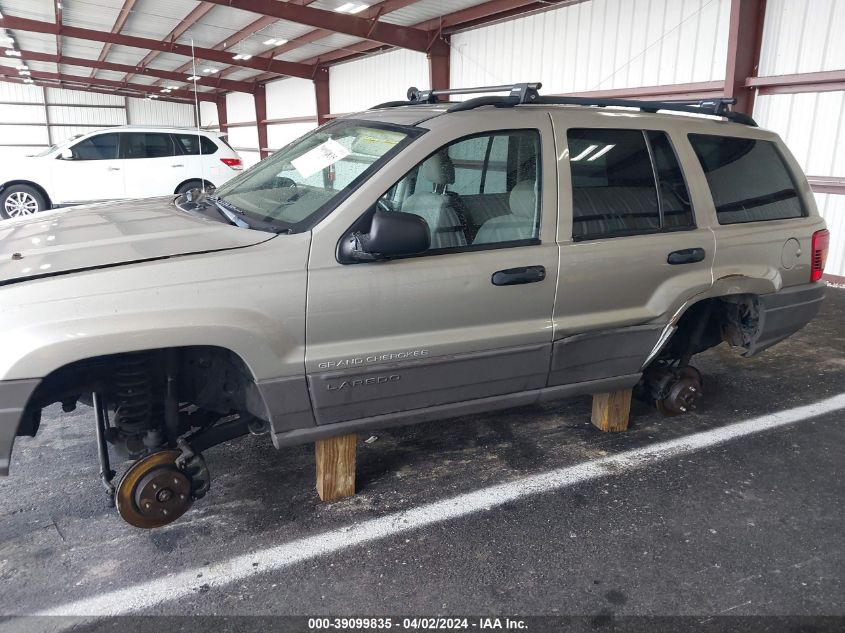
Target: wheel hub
[(154, 492), (20, 203), (684, 393)]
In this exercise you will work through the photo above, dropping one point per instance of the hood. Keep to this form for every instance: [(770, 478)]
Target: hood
[(111, 234)]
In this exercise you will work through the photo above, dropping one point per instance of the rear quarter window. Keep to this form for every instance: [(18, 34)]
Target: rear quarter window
[(191, 144), (748, 178)]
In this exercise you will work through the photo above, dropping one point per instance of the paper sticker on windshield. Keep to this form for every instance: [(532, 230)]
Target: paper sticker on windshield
[(319, 158)]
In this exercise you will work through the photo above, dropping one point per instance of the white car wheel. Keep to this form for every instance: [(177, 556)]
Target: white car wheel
[(20, 203)]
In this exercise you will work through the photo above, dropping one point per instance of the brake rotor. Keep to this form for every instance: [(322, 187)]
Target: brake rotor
[(154, 492), (684, 393)]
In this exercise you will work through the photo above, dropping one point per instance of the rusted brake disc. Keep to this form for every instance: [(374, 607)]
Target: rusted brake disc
[(684, 393), (154, 492)]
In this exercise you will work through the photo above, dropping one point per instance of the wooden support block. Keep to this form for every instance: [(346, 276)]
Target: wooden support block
[(336, 467), (612, 410)]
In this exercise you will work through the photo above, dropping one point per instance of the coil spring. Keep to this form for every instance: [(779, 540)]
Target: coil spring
[(133, 393)]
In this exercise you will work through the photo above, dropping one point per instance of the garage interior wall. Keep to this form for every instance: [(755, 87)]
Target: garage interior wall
[(802, 36), (33, 118), (598, 45)]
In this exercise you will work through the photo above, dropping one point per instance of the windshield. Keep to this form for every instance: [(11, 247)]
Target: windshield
[(53, 148), (300, 183)]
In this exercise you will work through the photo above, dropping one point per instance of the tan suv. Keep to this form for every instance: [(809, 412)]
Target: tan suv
[(417, 261)]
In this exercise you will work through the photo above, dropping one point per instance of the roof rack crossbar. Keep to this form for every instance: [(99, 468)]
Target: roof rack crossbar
[(528, 93)]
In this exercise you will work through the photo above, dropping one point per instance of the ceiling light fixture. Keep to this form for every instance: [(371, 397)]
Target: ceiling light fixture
[(352, 7), (194, 78), (210, 71), (11, 52), (275, 41), (242, 56), (25, 73)]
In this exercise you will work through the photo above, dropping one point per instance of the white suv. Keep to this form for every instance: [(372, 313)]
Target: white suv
[(123, 162)]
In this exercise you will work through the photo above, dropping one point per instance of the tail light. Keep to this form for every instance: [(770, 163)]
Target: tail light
[(234, 163), (821, 243)]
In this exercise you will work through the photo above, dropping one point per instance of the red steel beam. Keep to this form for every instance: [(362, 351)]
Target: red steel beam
[(249, 29), (276, 66), (697, 90), (827, 184), (260, 96), (824, 81), (83, 84), (107, 83), (170, 75), (122, 17), (472, 16), (189, 20), (439, 65), (322, 94), (57, 13), (745, 36), (374, 30), (222, 113), (123, 92), (373, 12)]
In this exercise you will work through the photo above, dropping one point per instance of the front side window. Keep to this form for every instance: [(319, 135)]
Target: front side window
[(625, 182), (480, 190), (100, 147), (147, 145), (303, 181), (748, 179)]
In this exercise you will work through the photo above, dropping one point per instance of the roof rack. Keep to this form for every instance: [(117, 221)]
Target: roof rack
[(528, 93)]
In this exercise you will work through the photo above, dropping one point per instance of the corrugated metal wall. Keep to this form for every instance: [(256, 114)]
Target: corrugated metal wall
[(363, 83), (149, 112), (801, 36), (33, 118), (240, 108), (286, 99), (599, 45)]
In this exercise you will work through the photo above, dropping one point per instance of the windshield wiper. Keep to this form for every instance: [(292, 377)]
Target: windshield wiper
[(234, 215), (230, 212)]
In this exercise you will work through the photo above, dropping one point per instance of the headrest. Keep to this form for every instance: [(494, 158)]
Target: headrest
[(439, 169), (523, 200)]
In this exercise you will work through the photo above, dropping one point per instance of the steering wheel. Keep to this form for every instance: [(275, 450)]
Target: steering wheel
[(283, 182), (384, 205)]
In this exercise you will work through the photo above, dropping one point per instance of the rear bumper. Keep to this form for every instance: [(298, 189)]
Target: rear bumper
[(14, 394), (785, 312)]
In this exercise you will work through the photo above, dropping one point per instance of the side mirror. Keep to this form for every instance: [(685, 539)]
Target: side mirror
[(66, 154), (392, 234)]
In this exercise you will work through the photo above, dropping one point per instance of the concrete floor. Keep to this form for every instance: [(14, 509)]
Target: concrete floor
[(751, 527)]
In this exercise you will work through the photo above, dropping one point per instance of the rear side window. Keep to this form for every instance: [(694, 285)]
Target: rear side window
[(147, 145), (100, 147), (748, 178), (625, 182), (191, 144)]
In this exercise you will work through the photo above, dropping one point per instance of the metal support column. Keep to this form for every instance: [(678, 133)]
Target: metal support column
[(260, 95), (745, 39), (321, 92)]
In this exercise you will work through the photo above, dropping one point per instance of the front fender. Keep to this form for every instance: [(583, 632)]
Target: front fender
[(250, 301)]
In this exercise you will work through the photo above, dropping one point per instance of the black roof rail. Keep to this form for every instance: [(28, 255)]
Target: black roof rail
[(528, 93)]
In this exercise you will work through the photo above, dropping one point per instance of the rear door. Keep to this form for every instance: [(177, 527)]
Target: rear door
[(631, 250), (152, 165), (444, 327)]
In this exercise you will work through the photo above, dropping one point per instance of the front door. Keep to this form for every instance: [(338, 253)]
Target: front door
[(93, 171), (468, 320)]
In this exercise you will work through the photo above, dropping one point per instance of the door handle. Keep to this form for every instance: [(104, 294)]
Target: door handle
[(177, 165), (516, 276), (114, 168), (686, 256)]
